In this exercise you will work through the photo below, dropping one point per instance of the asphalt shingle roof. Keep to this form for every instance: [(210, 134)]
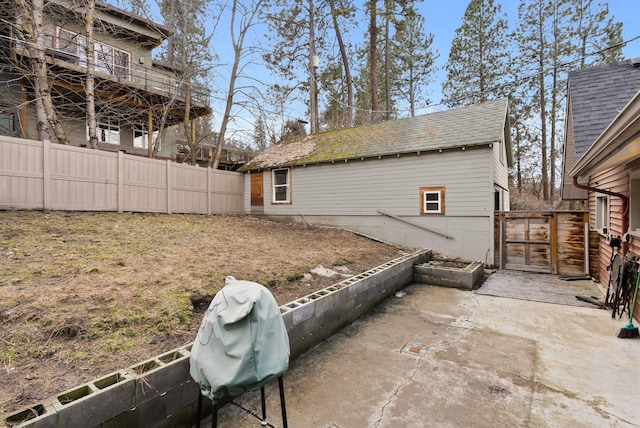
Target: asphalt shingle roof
[(466, 126), (597, 95)]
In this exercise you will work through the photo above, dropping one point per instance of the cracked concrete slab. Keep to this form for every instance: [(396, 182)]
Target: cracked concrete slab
[(481, 361)]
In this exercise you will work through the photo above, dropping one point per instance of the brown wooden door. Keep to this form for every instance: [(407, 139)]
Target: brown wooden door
[(528, 240), (257, 189)]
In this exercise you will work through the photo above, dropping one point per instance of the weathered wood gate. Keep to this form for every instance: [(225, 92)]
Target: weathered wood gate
[(543, 241)]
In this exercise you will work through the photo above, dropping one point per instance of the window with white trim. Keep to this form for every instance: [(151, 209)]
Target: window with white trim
[(602, 213), (141, 138), (432, 200), (281, 182), (108, 131), (108, 60)]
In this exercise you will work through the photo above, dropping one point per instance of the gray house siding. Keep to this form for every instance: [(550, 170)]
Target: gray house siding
[(352, 194)]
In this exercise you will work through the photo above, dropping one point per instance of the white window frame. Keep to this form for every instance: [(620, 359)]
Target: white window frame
[(68, 46), (429, 205), (108, 59), (603, 213), (277, 188), (108, 131), (141, 138)]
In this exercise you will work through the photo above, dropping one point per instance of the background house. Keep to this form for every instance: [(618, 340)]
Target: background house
[(595, 95), (598, 161), (133, 92), (611, 170), (431, 181)]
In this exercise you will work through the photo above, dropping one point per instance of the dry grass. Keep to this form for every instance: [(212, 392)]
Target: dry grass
[(84, 294)]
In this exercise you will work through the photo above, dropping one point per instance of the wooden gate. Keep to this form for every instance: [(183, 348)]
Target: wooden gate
[(544, 241)]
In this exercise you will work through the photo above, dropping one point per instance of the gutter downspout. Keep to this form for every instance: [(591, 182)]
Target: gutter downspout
[(625, 202), (606, 192)]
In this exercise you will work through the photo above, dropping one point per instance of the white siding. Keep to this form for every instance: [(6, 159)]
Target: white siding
[(351, 194), (364, 187)]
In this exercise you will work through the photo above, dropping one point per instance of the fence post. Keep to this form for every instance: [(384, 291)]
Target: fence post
[(120, 182), (209, 190), (46, 175), (554, 242), (169, 170)]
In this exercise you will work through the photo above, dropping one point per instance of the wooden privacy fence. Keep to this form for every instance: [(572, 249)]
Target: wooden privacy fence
[(41, 175), (544, 241)]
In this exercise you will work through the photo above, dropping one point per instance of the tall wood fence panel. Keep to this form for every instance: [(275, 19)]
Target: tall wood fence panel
[(41, 175), (544, 241)]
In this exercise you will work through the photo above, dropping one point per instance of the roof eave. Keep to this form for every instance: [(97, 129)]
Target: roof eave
[(311, 161)]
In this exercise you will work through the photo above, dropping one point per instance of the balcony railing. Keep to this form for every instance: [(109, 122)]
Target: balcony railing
[(140, 76)]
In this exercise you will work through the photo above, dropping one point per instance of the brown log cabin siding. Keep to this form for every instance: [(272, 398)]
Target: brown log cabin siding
[(615, 180)]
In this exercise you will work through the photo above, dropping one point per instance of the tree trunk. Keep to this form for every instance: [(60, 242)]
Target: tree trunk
[(313, 97), (348, 116), (543, 112), (33, 28), (373, 67), (387, 60), (92, 122)]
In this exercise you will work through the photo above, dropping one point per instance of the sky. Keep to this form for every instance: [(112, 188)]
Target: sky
[(442, 18)]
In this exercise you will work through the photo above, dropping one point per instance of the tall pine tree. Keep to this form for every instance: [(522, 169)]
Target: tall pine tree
[(414, 62), (479, 56)]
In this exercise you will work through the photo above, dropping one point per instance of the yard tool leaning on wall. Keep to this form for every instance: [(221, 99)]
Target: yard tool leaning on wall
[(242, 344), (630, 330)]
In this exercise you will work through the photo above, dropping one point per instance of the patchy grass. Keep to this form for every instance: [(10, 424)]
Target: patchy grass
[(84, 294)]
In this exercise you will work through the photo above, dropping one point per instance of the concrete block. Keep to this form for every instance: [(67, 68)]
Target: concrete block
[(464, 278), (41, 415), (159, 375), (160, 393)]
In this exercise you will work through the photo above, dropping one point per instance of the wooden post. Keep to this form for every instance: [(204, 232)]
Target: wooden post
[(554, 242), (24, 121)]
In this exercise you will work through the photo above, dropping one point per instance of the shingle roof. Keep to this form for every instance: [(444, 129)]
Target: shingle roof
[(597, 94), (466, 126)]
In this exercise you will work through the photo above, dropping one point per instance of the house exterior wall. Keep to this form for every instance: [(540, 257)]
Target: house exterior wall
[(615, 180), (501, 173), (569, 191), (144, 77), (352, 194)]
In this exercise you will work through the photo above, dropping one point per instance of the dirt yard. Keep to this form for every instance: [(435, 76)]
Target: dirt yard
[(85, 294)]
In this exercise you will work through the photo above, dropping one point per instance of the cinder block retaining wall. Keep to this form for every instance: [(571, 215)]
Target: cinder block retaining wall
[(160, 393)]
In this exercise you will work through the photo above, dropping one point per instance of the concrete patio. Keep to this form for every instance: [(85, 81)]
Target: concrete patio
[(441, 357)]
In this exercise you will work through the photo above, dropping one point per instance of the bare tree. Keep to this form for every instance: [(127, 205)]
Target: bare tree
[(33, 35), (242, 20)]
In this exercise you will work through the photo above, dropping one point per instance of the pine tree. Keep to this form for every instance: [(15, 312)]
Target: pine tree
[(597, 36), (260, 134), (478, 57), (414, 61)]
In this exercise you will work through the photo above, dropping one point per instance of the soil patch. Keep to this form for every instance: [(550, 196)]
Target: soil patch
[(85, 294)]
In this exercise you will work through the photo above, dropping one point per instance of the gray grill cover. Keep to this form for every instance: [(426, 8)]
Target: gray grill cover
[(242, 343)]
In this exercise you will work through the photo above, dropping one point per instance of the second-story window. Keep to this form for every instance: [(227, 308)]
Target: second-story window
[(108, 60), (141, 138), (73, 45), (108, 131)]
